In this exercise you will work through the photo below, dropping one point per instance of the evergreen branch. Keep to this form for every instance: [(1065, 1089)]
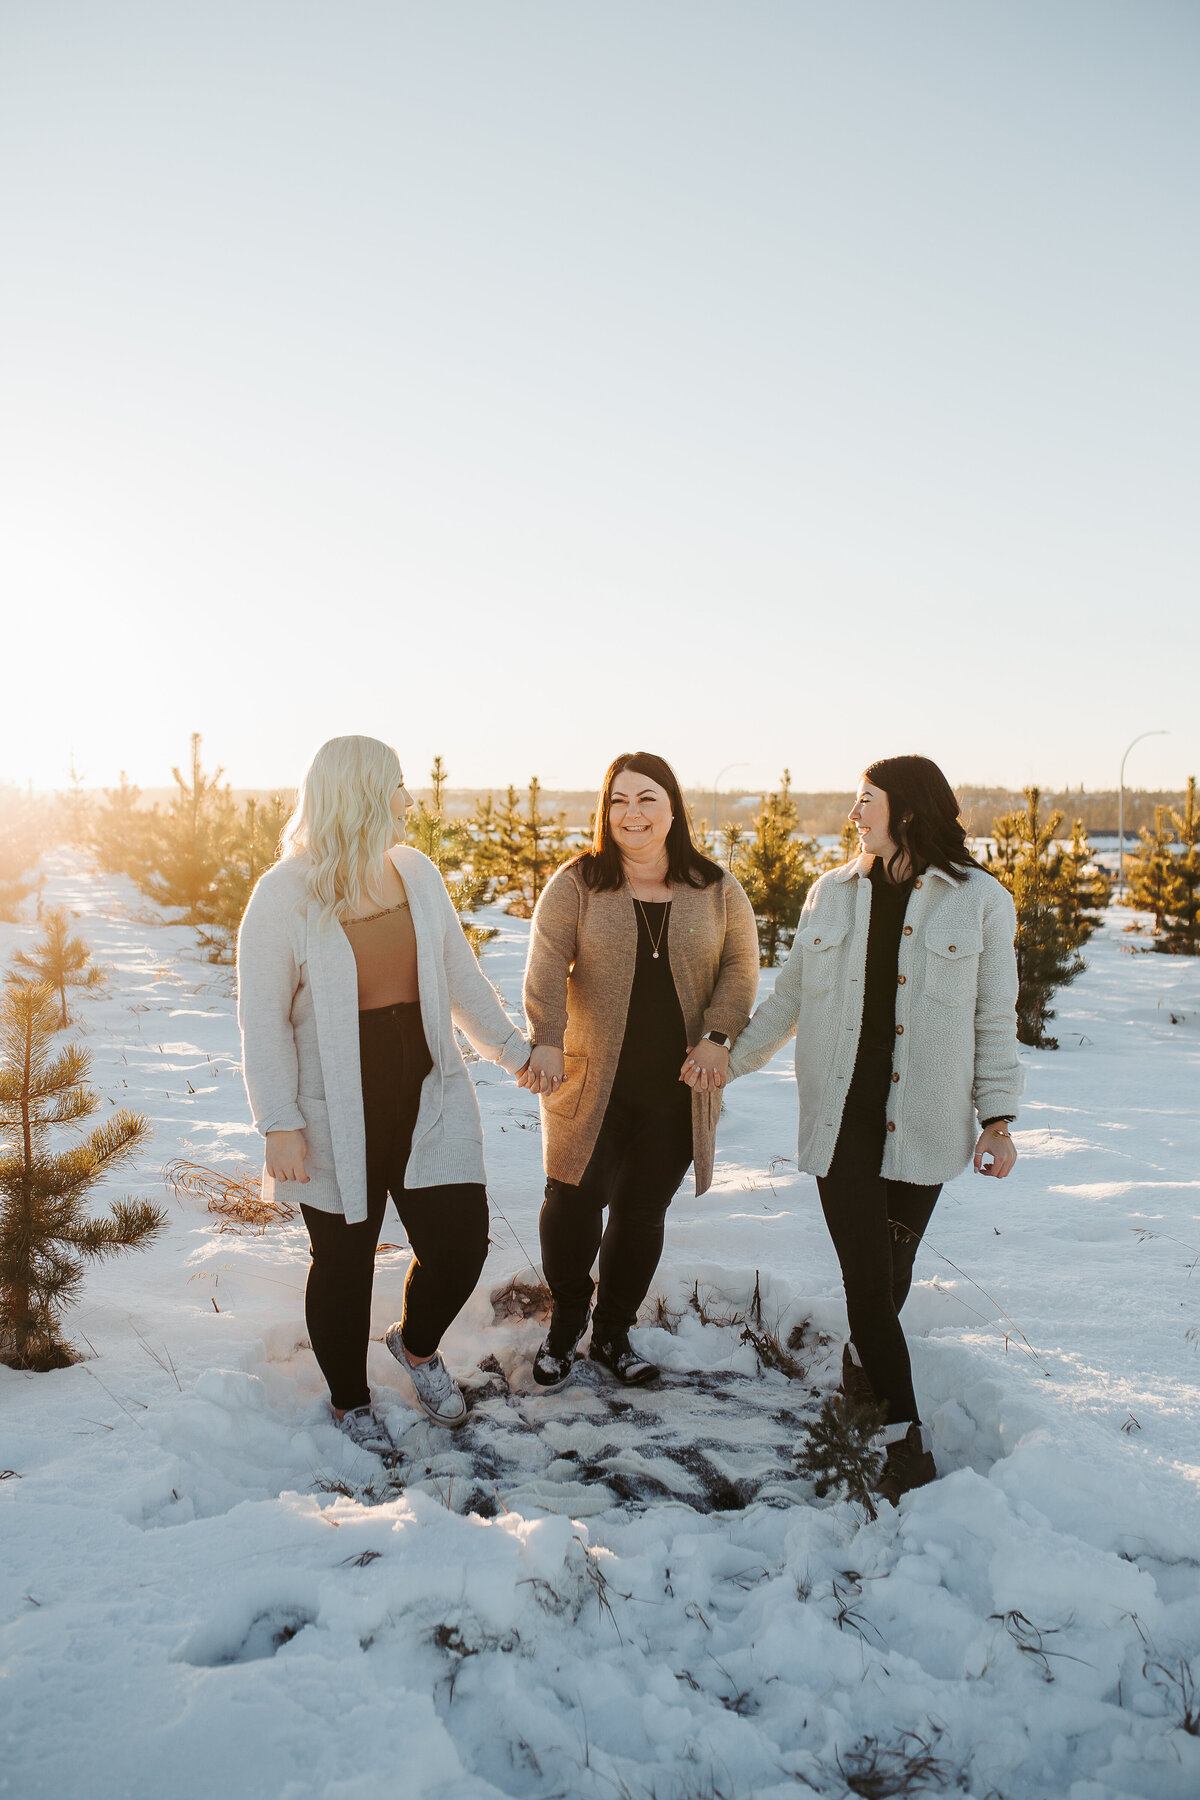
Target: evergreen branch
[(130, 1223)]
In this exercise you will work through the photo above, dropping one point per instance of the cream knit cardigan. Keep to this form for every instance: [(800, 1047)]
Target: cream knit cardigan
[(298, 1012), (956, 1040)]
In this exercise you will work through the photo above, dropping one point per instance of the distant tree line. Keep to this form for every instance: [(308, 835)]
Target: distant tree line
[(201, 851)]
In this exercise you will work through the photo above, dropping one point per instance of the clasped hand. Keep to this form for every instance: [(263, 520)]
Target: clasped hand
[(545, 1071), (705, 1066)]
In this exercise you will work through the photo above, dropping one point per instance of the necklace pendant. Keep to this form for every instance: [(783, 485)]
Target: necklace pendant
[(656, 956)]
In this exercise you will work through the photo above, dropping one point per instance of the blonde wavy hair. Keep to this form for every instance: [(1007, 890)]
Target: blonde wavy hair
[(343, 821)]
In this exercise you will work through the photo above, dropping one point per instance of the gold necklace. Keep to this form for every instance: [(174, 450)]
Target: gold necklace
[(654, 942)]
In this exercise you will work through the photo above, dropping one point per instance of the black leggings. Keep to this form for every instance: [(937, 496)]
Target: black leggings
[(641, 1155), (447, 1226), (876, 1226)]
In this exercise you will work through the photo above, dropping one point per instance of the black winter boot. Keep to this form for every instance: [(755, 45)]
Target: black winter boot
[(618, 1354), (552, 1363)]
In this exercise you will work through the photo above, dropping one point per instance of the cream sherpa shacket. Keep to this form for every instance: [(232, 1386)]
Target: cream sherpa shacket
[(298, 1011), (956, 1040)]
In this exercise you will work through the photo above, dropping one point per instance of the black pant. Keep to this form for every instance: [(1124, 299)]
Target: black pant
[(641, 1155), (447, 1226), (876, 1226)]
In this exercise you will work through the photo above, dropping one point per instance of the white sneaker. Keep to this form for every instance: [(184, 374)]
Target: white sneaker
[(438, 1394), (363, 1426)]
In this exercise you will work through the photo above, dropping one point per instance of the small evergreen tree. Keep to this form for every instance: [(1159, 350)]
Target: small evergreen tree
[(448, 843), (46, 1237), (60, 961), (523, 849), (1152, 872), (192, 841), (1008, 831), (733, 836), (22, 834), (1086, 888), (73, 808), (543, 846), (122, 830), (1181, 934), (251, 848), (777, 870), (836, 1451), (1032, 868)]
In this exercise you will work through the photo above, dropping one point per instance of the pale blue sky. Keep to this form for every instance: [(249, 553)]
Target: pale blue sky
[(758, 383)]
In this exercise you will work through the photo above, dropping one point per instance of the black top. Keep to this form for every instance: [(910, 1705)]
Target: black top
[(655, 1041), (889, 902)]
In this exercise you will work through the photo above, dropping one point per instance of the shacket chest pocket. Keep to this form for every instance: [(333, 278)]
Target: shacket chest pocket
[(821, 946), (952, 965)]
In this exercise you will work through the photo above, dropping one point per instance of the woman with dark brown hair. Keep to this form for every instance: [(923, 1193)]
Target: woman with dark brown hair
[(901, 990), (643, 966)]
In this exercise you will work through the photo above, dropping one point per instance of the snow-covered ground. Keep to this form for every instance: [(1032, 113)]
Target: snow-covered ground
[(206, 1591)]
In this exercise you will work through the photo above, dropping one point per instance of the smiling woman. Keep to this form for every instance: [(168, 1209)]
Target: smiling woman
[(643, 965), (910, 948)]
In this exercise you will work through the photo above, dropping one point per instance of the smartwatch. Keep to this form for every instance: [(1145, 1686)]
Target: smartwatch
[(719, 1037)]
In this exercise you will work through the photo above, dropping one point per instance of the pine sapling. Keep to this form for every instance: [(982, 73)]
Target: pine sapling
[(46, 1236), (1152, 871), (777, 869), (59, 961), (837, 1453), (1182, 929), (449, 843), (192, 841), (1037, 874)]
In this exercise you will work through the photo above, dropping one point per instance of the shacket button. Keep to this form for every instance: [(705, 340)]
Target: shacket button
[(899, 1031), (917, 884), (953, 948), (908, 931), (891, 1124), (903, 979), (816, 940), (895, 1077)]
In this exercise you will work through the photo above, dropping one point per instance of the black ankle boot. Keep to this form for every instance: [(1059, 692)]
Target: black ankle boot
[(552, 1363), (616, 1353)]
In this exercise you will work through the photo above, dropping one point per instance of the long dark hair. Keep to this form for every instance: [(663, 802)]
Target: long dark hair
[(923, 816), (601, 866)]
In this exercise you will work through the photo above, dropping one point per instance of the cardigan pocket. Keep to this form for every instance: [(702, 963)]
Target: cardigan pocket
[(565, 1103), (317, 1134), (819, 969), (952, 966)]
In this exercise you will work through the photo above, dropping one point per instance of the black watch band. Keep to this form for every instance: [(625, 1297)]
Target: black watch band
[(719, 1037)]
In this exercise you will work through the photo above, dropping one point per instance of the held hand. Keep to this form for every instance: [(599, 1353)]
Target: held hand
[(995, 1142), (286, 1151), (545, 1071), (706, 1066)]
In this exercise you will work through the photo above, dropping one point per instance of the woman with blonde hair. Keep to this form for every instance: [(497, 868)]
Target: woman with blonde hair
[(353, 971)]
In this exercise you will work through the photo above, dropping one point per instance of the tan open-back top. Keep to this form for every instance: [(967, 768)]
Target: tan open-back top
[(385, 953)]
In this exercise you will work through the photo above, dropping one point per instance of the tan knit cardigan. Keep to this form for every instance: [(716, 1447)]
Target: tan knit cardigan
[(578, 979)]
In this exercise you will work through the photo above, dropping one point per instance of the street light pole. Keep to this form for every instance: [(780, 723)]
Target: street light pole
[(1121, 807), (717, 783)]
